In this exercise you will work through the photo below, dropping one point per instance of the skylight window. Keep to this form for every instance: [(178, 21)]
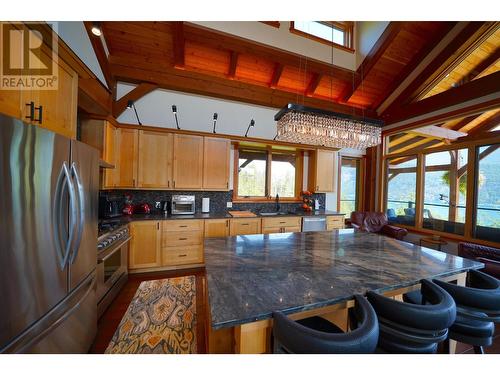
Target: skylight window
[(338, 34)]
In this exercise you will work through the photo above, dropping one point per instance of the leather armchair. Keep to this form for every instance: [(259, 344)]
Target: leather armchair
[(490, 256), (376, 222)]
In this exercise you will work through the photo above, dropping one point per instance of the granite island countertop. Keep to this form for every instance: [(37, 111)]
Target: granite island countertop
[(249, 277)]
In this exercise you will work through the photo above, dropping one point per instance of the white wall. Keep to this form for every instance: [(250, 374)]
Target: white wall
[(75, 36), (367, 35), (195, 112), (282, 38)]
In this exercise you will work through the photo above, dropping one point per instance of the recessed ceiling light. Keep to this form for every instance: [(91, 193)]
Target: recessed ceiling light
[(96, 29)]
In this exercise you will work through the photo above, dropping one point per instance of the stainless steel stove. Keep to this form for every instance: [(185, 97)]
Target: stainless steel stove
[(112, 262)]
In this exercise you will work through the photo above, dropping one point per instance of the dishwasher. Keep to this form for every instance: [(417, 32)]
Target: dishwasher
[(313, 224)]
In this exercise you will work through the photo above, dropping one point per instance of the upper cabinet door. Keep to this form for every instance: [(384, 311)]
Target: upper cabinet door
[(324, 170), (216, 163), (155, 159), (127, 155), (188, 162)]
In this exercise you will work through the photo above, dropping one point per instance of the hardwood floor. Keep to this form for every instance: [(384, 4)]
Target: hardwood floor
[(111, 318)]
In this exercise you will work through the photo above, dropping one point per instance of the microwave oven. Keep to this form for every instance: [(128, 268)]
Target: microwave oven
[(183, 205)]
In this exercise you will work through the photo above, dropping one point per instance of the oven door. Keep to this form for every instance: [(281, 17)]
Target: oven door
[(183, 208), (111, 264)]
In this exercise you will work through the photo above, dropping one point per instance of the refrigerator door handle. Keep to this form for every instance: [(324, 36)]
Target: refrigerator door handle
[(63, 246), (81, 211)]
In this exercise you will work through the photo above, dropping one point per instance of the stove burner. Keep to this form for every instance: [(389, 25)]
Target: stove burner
[(112, 233)]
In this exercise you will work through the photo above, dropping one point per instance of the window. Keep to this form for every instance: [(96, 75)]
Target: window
[(328, 32), (265, 173), (401, 190), (350, 185), (445, 191), (487, 181)]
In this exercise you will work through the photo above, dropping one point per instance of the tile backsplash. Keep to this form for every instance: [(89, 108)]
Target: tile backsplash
[(218, 200)]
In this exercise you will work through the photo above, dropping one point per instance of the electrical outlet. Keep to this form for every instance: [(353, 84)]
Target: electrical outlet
[(157, 204), (229, 204)]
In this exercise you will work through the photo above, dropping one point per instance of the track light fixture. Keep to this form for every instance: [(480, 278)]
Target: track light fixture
[(96, 28), (130, 104), (174, 111), (252, 123), (215, 121)]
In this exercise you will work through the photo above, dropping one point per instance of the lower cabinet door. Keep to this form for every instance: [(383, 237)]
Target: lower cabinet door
[(217, 228), (145, 246), (181, 255)]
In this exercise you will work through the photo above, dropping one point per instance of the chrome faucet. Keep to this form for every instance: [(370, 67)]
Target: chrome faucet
[(277, 203)]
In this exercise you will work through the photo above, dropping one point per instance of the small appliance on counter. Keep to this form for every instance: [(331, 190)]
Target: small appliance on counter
[(205, 205), (142, 208), (183, 205), (109, 207)]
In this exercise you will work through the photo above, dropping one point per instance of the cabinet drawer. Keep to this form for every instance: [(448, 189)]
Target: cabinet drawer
[(334, 222), (281, 222), (182, 225), (181, 238), (244, 226), (174, 256), (270, 230)]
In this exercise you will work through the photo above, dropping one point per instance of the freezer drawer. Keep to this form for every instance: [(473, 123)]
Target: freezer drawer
[(69, 328)]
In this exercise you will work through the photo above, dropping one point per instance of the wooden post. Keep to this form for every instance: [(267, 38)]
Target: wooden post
[(453, 178)]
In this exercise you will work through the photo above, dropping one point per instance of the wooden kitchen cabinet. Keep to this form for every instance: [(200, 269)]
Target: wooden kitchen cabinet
[(155, 159), (103, 136), (182, 242), (58, 110), (281, 224), (216, 163), (188, 162), (128, 140), (334, 222), (217, 228), (145, 244), (244, 226), (321, 171)]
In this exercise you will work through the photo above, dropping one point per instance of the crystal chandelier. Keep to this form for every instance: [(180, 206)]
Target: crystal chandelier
[(299, 124)]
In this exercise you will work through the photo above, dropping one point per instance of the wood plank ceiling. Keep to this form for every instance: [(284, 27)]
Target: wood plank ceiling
[(187, 57), (482, 60)]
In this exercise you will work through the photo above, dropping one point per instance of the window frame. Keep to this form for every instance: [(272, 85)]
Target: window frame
[(360, 193), (472, 147), (347, 27), (299, 173)]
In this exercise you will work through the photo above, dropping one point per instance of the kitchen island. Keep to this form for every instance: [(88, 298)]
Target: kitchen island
[(305, 274)]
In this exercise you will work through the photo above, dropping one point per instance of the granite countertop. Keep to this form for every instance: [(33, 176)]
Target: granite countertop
[(249, 277), (215, 215)]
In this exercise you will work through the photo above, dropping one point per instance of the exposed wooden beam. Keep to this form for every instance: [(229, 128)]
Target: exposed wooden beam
[(378, 49), (313, 84), (412, 65), (100, 53), (278, 69), (138, 92), (232, 65), (485, 126), (228, 42), (460, 47), (93, 97), (275, 24), (482, 155), (461, 123), (179, 44), (203, 84), (482, 66), (486, 87)]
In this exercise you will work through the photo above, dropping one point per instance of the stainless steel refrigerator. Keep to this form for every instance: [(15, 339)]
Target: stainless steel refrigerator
[(48, 240)]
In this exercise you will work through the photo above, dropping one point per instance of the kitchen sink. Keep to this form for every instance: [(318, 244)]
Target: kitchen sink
[(273, 213)]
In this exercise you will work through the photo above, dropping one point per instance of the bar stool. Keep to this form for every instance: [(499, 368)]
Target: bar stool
[(409, 328), (478, 308), (317, 335)]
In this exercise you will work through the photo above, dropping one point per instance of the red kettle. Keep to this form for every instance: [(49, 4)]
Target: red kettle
[(142, 208)]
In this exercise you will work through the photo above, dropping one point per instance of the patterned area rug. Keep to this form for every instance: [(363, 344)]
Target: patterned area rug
[(161, 319)]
